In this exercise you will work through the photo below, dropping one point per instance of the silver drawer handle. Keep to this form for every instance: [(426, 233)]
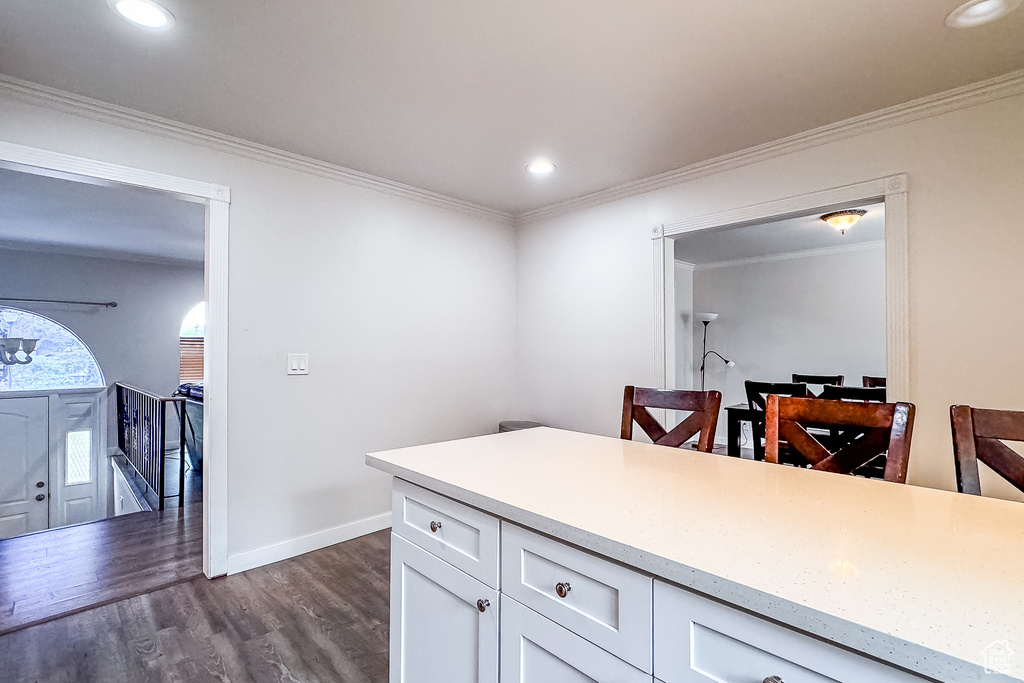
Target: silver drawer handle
[(482, 605), (562, 588), (434, 526), (773, 679)]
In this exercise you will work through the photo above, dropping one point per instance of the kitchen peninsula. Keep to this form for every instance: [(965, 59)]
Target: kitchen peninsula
[(578, 544)]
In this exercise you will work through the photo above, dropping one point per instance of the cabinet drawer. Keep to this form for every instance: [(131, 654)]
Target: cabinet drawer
[(698, 640), (605, 603), (458, 534), (534, 649)]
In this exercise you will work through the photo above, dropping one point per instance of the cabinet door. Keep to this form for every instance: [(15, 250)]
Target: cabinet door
[(535, 649), (438, 632)]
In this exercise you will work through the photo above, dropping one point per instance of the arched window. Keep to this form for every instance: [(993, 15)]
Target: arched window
[(60, 359), (190, 344)]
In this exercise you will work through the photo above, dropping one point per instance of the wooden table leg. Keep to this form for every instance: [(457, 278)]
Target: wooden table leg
[(734, 435)]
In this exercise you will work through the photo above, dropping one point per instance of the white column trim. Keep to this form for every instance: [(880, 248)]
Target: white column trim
[(215, 401), (893, 190), (897, 290), (217, 198), (661, 301)]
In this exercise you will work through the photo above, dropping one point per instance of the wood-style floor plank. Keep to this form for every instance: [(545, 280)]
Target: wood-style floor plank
[(61, 571), (320, 617)]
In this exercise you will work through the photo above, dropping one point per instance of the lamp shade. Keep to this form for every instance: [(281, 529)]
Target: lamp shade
[(706, 317), (843, 220)]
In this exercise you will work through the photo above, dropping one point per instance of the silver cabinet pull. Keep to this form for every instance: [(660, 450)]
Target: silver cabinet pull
[(482, 605), (773, 679), (562, 588), (434, 526)]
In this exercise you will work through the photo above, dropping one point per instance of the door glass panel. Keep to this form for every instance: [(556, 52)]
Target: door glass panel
[(79, 450)]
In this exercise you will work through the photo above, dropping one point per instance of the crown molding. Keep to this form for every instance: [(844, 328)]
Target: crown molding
[(98, 253), (96, 110), (791, 255), (1007, 85)]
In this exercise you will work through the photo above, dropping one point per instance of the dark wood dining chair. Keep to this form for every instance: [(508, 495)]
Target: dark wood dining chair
[(869, 381), (977, 435), (872, 429), (832, 392), (820, 380), (757, 396), (703, 406)]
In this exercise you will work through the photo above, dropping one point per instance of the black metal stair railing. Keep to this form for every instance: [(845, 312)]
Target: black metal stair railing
[(141, 436)]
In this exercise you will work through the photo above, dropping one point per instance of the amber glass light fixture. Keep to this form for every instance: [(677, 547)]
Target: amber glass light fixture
[(843, 220)]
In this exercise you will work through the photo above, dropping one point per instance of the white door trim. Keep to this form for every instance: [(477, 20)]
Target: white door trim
[(892, 190), (217, 199)]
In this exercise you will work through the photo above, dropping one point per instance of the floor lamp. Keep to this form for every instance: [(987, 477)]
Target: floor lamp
[(706, 318)]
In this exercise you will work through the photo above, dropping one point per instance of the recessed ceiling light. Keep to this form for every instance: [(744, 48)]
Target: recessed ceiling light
[(978, 12), (540, 167), (143, 13)]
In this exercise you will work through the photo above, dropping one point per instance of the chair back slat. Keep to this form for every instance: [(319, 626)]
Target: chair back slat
[(820, 380), (839, 393), (869, 381), (823, 413), (758, 392), (978, 434), (998, 424), (670, 399), (704, 407), (866, 430)]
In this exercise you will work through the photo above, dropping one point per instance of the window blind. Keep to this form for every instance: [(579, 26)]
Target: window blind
[(190, 351)]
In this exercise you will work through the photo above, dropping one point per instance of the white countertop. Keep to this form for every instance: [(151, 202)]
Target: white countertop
[(922, 578)]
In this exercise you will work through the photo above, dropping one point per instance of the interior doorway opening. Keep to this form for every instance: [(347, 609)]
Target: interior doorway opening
[(125, 246), (889, 193), (783, 301)]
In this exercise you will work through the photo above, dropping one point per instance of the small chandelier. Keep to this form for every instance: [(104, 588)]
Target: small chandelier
[(10, 346), (843, 220)]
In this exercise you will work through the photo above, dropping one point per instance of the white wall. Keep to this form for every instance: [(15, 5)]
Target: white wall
[(406, 309), (812, 314), (585, 305), (136, 342)]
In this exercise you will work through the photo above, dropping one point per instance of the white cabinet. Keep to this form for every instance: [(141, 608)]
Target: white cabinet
[(568, 615), (535, 649), (697, 640), (444, 623)]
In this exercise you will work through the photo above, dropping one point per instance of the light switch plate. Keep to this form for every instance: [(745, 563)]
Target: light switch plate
[(298, 363)]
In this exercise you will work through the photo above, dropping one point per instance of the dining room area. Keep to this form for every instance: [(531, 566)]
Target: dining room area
[(780, 333)]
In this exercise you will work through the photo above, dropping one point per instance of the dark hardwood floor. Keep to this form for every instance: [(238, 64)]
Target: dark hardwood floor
[(65, 570), (320, 617)]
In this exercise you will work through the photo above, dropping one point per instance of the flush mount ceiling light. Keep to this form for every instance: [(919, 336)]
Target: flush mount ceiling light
[(144, 13), (843, 220), (540, 167), (978, 12)]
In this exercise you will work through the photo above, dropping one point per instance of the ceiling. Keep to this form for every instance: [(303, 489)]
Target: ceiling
[(118, 221), (456, 96), (778, 237)]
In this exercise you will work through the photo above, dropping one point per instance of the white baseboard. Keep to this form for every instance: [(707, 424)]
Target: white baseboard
[(304, 544)]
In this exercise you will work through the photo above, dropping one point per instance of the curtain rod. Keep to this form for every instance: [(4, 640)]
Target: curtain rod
[(104, 304)]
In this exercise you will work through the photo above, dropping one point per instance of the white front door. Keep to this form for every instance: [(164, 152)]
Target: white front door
[(79, 468), (24, 465)]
